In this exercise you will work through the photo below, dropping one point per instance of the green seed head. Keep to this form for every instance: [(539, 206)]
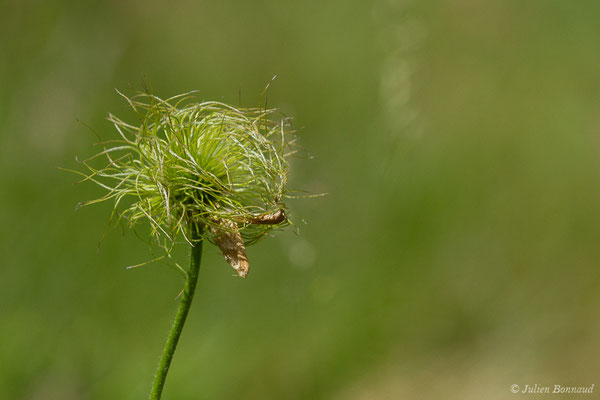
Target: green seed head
[(187, 165)]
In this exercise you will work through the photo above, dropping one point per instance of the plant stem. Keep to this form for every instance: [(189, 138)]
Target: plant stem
[(182, 312)]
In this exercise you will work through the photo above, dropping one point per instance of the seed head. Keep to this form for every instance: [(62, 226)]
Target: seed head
[(187, 165)]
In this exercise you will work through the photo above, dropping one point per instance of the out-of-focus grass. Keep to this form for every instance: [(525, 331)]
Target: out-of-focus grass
[(456, 253)]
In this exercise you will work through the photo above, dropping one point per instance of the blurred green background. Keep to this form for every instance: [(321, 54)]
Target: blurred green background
[(455, 254)]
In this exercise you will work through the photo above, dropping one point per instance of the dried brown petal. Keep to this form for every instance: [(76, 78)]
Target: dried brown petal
[(269, 219), (232, 246)]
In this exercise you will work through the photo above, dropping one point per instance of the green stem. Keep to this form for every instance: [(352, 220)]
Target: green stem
[(182, 312)]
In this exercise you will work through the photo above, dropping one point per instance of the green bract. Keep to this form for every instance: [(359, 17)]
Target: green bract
[(202, 164)]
